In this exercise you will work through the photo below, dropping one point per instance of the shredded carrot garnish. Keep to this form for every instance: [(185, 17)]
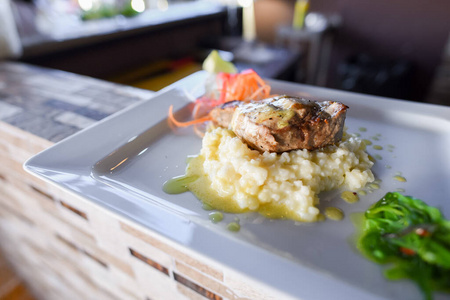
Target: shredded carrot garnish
[(188, 123), (244, 86)]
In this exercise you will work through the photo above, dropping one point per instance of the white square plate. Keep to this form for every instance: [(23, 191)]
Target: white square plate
[(122, 162)]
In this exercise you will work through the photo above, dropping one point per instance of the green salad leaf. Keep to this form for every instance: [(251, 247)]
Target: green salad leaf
[(411, 236)]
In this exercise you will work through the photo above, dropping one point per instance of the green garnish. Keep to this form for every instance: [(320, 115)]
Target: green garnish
[(412, 236), (216, 217), (234, 226), (214, 63)]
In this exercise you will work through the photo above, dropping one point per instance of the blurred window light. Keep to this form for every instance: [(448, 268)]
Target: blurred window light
[(138, 5), (245, 3), (316, 22), (86, 4), (162, 5)]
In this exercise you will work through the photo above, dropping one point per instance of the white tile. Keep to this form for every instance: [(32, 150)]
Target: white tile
[(73, 119), (53, 82), (72, 99), (8, 110)]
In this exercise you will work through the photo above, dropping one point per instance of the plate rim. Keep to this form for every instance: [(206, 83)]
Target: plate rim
[(35, 166)]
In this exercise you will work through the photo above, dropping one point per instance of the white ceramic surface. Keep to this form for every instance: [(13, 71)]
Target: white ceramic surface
[(122, 162)]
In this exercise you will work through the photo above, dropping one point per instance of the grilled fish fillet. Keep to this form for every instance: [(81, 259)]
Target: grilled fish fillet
[(283, 123)]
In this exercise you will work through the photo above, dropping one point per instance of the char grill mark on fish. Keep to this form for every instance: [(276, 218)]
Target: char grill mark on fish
[(221, 116), (283, 123)]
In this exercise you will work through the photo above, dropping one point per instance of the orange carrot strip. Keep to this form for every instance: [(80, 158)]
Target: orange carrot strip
[(266, 91), (244, 86), (223, 93), (195, 111), (185, 124), (258, 78), (256, 93), (239, 90), (198, 131)]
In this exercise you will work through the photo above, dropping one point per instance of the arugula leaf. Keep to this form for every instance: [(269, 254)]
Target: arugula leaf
[(413, 237)]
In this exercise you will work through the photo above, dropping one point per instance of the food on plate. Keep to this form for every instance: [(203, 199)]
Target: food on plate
[(223, 115), (412, 236), (301, 150), (283, 123), (222, 88), (231, 177), (214, 64)]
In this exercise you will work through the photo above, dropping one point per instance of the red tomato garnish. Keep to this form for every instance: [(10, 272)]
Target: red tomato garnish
[(407, 251)]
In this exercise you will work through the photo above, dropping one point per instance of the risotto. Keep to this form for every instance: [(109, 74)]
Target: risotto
[(234, 178)]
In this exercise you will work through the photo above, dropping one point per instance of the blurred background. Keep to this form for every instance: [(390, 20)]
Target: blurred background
[(395, 49)]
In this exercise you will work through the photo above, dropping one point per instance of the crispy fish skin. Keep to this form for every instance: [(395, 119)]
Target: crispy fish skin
[(284, 123), (222, 116)]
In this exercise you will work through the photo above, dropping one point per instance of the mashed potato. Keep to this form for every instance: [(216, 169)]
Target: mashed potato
[(234, 178)]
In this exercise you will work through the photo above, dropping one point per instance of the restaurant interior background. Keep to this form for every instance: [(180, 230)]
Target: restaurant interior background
[(398, 49), (395, 49)]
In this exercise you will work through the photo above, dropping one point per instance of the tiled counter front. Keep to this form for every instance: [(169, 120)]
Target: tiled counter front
[(64, 246)]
